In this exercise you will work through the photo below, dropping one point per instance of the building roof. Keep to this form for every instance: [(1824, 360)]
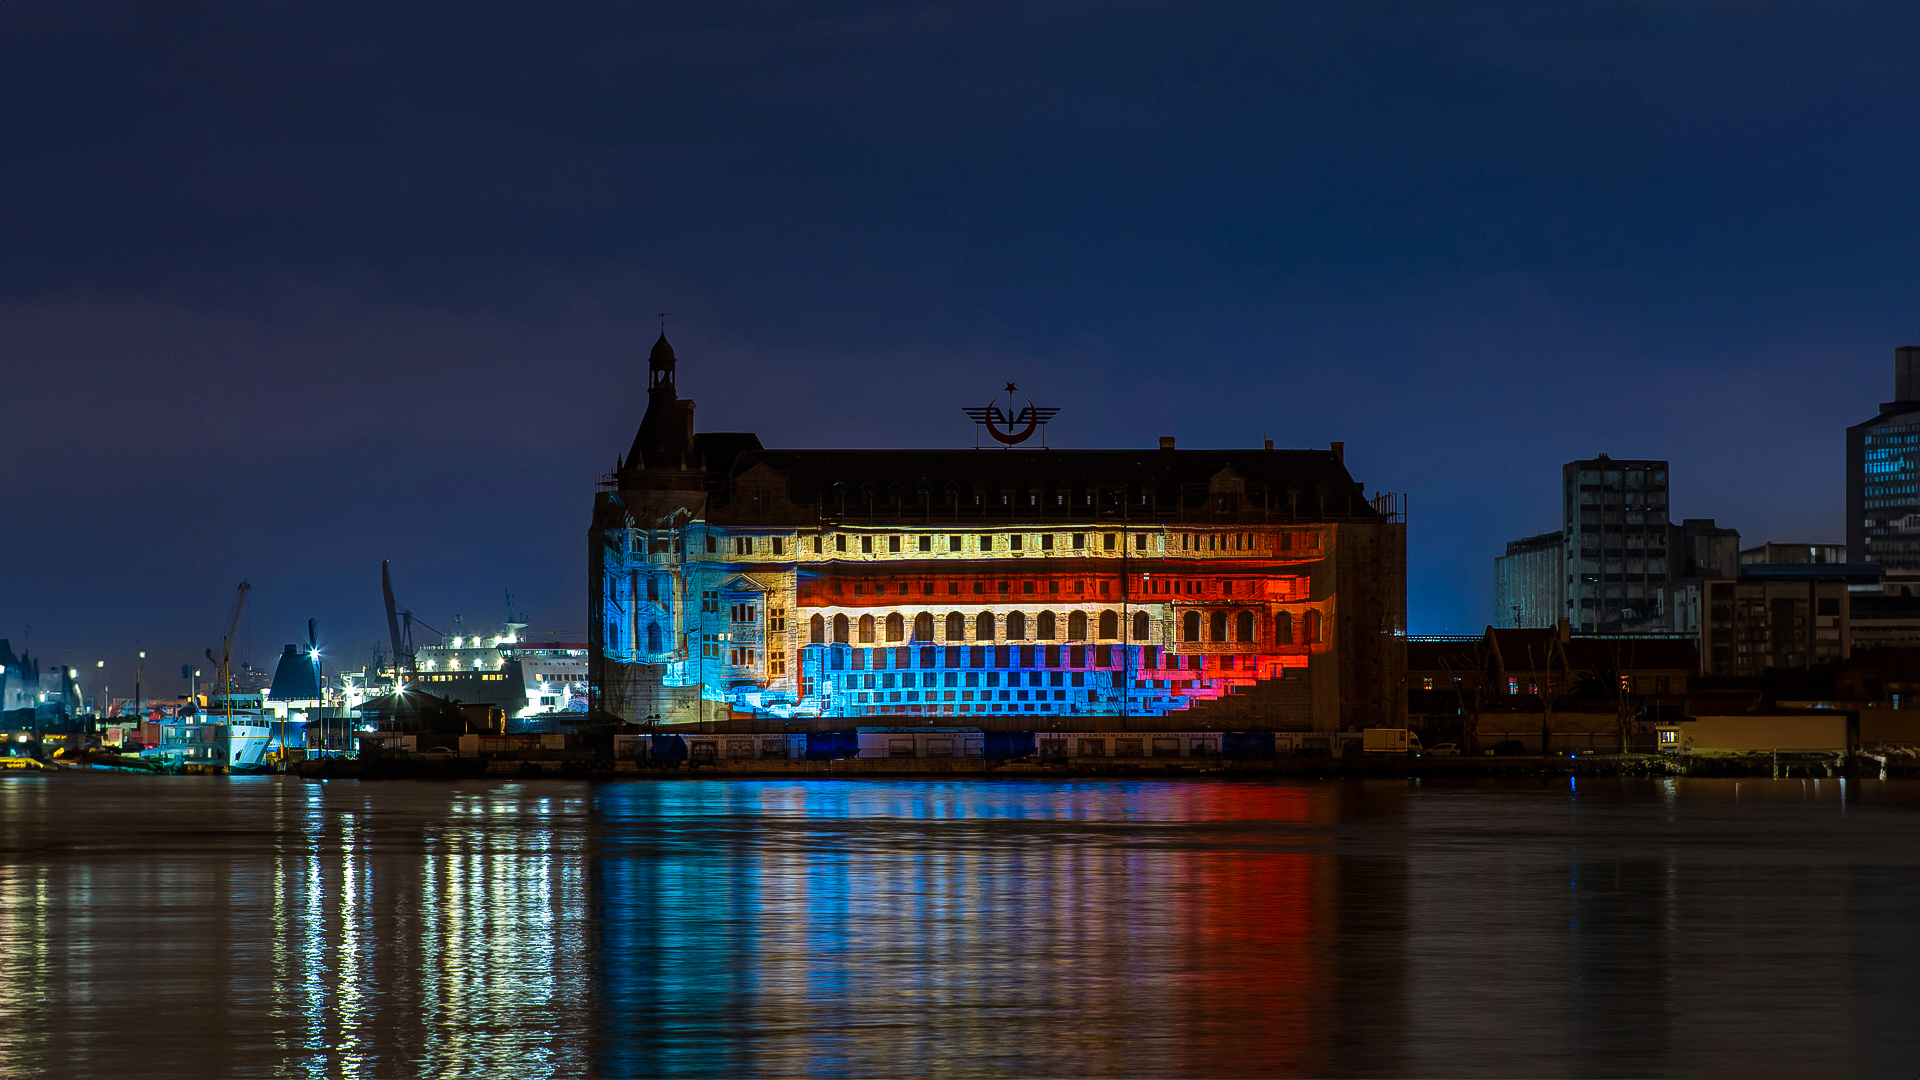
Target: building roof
[(1534, 543), (1280, 485)]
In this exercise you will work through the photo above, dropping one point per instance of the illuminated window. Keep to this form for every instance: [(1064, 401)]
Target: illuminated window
[(1670, 738)]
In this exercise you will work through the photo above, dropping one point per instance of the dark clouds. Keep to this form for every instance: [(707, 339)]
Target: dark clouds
[(291, 288)]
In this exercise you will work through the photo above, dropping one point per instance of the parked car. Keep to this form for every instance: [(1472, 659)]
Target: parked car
[(1445, 749)]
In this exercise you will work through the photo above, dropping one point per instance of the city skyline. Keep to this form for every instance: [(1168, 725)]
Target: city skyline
[(346, 344)]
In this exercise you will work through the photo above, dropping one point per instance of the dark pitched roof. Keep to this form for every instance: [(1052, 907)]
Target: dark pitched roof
[(1282, 481)]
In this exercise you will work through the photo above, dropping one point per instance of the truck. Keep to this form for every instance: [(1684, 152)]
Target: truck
[(1390, 740)]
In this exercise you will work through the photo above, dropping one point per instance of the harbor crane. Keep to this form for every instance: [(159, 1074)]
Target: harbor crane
[(226, 647)]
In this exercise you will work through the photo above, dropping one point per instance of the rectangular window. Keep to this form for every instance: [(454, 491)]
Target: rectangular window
[(1107, 544), (953, 543), (1013, 541), (777, 620), (926, 543), (779, 545), (859, 659), (1027, 587), (1140, 542), (986, 541), (953, 588), (1046, 541), (893, 544), (866, 545), (1079, 541), (1053, 587), (713, 544), (816, 545), (980, 588), (840, 543), (777, 663)]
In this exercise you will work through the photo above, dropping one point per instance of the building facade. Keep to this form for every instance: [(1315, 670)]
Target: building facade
[(1529, 582), (728, 580), (1780, 616), (1615, 515), (1883, 474)]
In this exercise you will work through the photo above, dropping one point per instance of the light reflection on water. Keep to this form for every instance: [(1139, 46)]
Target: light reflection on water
[(257, 926)]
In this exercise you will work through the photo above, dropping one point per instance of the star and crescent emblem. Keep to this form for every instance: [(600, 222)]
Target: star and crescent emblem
[(1006, 426)]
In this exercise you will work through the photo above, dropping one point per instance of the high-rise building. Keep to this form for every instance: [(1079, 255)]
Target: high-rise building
[(730, 580), (1529, 583), (1883, 474), (1615, 514)]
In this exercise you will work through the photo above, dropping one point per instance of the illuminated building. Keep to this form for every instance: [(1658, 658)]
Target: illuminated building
[(1257, 586), (1883, 475)]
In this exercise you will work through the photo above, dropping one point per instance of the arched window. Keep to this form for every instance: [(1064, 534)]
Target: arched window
[(866, 629), (1044, 631), (1016, 626), (1142, 627), (983, 626), (1219, 627), (1109, 625), (1077, 626), (817, 630), (956, 626), (896, 627), (839, 629), (1191, 627), (1243, 626), (653, 637), (1312, 626), (1283, 628), (923, 626)]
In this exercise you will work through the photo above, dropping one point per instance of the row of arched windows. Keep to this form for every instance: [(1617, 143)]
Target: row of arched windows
[(1220, 626)]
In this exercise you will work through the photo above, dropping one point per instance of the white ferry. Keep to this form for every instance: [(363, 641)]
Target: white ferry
[(229, 735)]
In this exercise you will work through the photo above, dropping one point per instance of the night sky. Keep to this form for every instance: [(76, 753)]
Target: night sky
[(288, 289)]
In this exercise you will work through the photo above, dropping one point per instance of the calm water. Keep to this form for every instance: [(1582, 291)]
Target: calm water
[(254, 926)]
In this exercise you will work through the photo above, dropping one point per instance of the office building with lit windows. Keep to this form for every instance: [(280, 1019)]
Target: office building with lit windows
[(1259, 587), (1883, 475)]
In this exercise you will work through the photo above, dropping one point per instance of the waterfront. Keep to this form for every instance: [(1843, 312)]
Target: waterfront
[(265, 926)]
